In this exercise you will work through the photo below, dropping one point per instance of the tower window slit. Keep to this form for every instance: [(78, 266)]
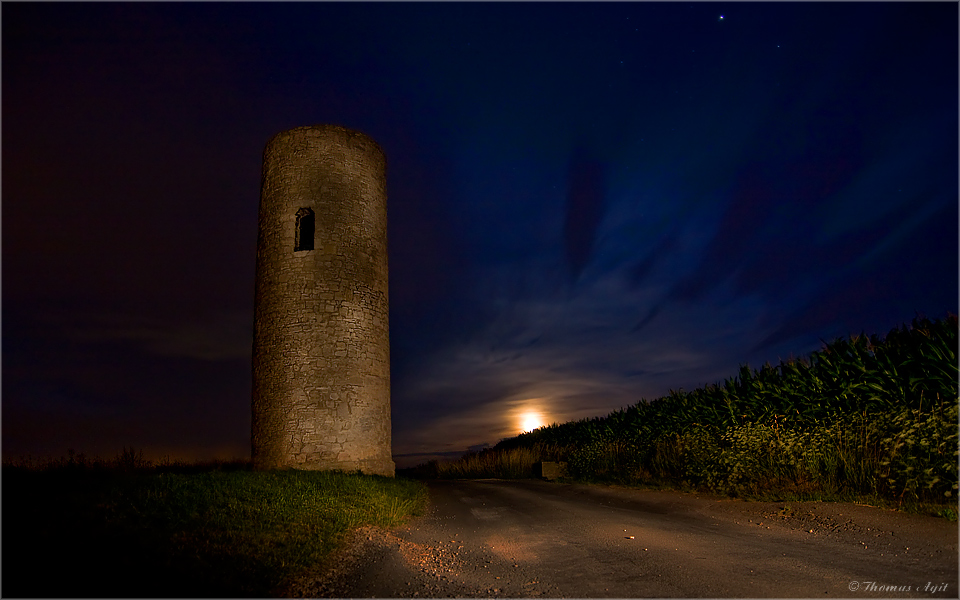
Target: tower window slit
[(304, 230)]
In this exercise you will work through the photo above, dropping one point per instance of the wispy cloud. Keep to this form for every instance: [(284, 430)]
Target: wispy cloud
[(575, 353)]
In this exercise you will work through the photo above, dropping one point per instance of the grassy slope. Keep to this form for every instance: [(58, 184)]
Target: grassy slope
[(87, 530)]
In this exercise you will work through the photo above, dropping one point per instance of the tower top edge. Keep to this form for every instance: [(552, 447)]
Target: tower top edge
[(328, 131)]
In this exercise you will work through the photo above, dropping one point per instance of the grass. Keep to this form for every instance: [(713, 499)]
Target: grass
[(79, 527)]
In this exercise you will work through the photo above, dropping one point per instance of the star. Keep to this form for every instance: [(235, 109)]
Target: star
[(721, 18)]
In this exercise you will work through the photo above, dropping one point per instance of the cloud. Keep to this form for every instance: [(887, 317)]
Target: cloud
[(573, 356)]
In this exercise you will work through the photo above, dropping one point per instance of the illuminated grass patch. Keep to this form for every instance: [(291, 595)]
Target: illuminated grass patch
[(231, 532)]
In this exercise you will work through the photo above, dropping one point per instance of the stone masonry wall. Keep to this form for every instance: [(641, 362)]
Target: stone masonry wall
[(321, 356)]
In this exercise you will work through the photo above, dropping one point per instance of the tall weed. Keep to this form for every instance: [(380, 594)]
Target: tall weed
[(516, 463)]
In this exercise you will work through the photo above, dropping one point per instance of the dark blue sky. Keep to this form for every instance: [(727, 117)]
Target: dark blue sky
[(590, 204)]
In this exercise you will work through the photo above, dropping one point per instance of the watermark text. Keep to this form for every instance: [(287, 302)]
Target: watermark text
[(878, 586)]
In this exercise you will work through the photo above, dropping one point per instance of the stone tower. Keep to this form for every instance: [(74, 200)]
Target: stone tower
[(321, 347)]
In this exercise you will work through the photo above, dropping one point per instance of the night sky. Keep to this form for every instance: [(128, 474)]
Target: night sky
[(589, 204)]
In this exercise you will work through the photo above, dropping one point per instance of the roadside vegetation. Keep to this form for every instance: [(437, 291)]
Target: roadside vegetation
[(79, 527), (871, 419)]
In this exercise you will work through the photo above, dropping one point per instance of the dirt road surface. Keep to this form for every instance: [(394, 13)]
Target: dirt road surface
[(528, 539)]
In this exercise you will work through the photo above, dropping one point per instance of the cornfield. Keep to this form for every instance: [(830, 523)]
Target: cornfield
[(868, 415)]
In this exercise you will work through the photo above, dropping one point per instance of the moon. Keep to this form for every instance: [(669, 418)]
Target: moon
[(530, 420)]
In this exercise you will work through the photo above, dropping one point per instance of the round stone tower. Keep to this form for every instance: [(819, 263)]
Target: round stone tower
[(321, 346)]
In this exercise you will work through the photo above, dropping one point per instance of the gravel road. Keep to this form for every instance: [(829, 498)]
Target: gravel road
[(493, 538)]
